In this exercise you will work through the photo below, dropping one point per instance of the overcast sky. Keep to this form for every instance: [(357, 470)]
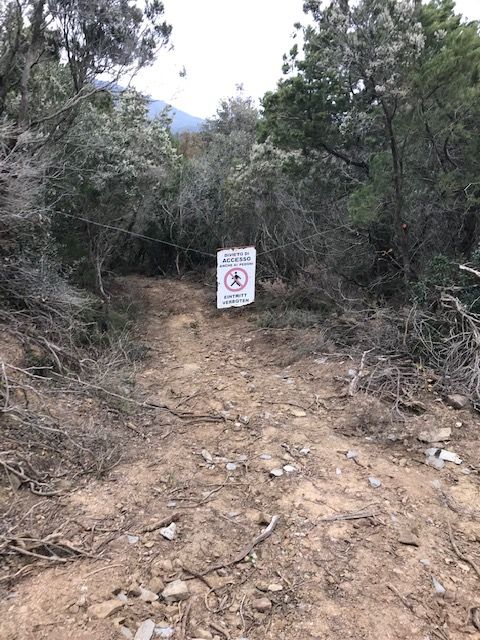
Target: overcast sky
[(223, 43)]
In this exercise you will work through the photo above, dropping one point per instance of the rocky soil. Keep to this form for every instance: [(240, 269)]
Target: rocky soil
[(183, 537)]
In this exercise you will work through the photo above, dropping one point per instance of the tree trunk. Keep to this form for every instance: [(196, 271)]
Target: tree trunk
[(8, 77), (400, 227), (33, 53)]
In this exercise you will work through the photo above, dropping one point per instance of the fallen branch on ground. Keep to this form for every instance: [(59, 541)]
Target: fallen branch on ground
[(461, 556), (266, 533), (452, 504), (219, 629), (164, 522), (41, 548), (402, 598), (352, 388), (185, 618), (194, 574), (349, 516), (100, 569), (36, 486), (192, 417)]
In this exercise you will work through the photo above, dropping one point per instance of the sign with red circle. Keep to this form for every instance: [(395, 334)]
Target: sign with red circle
[(236, 279), (235, 276)]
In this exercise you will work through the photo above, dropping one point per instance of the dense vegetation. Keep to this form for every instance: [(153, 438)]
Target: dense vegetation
[(359, 179)]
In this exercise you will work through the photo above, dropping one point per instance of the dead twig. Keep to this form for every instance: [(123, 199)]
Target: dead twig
[(37, 487), (266, 533), (452, 504), (461, 556), (42, 548), (404, 600), (242, 616), (6, 392), (25, 569), (192, 417), (352, 387), (219, 629), (197, 575), (213, 491), (32, 554), (185, 619), (349, 516), (110, 566), (164, 522), (205, 499), (224, 601)]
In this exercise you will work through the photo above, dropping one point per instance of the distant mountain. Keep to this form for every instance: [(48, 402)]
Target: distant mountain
[(181, 121)]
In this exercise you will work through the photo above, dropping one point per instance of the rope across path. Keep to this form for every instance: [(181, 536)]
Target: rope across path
[(142, 236)]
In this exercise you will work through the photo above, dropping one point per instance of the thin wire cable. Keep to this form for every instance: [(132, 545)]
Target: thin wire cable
[(136, 235), (288, 244), (199, 251)]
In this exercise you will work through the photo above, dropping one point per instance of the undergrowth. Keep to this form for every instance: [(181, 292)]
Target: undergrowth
[(436, 337)]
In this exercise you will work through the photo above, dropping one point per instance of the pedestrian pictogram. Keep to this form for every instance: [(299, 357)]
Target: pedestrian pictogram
[(235, 277)]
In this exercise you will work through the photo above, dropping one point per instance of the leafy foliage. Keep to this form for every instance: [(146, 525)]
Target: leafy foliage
[(388, 93)]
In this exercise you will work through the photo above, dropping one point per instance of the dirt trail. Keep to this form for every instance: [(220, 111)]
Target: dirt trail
[(363, 578)]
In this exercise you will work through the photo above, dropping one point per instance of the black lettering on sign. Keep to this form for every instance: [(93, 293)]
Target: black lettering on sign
[(235, 260)]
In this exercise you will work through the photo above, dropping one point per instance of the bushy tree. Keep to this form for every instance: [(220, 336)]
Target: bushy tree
[(93, 36), (387, 93), (61, 145), (114, 161), (196, 213)]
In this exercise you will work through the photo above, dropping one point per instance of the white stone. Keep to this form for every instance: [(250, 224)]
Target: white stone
[(276, 473), (169, 532), (145, 630), (207, 456)]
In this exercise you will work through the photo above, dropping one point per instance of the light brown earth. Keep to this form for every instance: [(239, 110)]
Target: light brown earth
[(332, 579)]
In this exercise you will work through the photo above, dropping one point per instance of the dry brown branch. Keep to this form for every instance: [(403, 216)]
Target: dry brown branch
[(107, 568), (452, 504), (6, 389), (461, 556), (358, 515), (352, 388), (33, 433), (474, 616), (402, 598), (266, 533), (35, 485), (191, 417), (450, 342), (42, 549), (195, 574), (174, 517), (395, 379), (216, 627), (23, 570), (241, 612), (185, 619)]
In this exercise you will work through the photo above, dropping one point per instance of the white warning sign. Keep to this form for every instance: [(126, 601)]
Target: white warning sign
[(235, 277)]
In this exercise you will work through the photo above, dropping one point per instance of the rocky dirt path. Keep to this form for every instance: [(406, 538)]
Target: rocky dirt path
[(347, 559)]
